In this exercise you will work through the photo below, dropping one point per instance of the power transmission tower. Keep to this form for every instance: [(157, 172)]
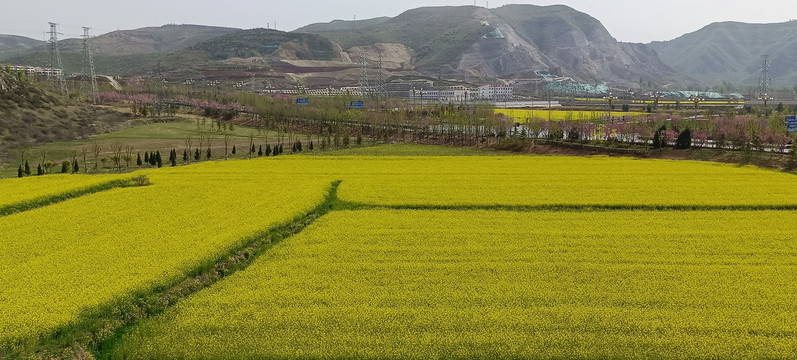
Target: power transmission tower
[(765, 83), (55, 60), (88, 72), (381, 83), (160, 99), (364, 87)]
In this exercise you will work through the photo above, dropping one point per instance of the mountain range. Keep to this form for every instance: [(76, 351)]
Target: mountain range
[(468, 43), (732, 52)]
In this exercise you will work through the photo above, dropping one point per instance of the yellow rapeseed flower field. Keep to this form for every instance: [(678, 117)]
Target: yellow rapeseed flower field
[(17, 190), (556, 180), (59, 261), (501, 285), (521, 115), (601, 280)]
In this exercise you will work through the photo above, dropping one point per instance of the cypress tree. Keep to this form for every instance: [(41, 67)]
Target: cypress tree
[(684, 141), (252, 150), (27, 168), (185, 155), (294, 149), (233, 150), (65, 167), (146, 158), (281, 150), (20, 172), (260, 151), (158, 159), (196, 154), (299, 145), (39, 170), (75, 167), (268, 150), (173, 157), (657, 138), (207, 155), (138, 160), (311, 145)]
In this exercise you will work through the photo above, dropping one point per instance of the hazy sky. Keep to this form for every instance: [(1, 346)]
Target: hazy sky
[(627, 20)]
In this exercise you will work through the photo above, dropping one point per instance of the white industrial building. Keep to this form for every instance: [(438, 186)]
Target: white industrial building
[(496, 92)]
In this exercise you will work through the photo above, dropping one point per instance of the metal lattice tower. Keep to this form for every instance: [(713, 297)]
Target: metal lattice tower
[(55, 60), (364, 87), (381, 83), (765, 83), (160, 100), (89, 75)]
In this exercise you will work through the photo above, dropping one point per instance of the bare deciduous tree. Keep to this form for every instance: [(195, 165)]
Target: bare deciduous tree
[(128, 156), (96, 148), (227, 141)]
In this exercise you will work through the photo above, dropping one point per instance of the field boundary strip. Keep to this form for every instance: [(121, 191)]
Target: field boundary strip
[(97, 329), (566, 207), (40, 202)]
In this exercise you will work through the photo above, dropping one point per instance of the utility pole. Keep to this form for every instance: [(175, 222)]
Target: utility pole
[(656, 96), (610, 99), (88, 72), (55, 60), (696, 99)]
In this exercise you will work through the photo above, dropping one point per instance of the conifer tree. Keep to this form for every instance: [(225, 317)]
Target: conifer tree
[(311, 145), (185, 155), (299, 145), (39, 170), (268, 150), (146, 158), (233, 150), (138, 160), (281, 150), (27, 168), (196, 155), (20, 172), (208, 154), (260, 151), (75, 167), (65, 167), (158, 159)]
